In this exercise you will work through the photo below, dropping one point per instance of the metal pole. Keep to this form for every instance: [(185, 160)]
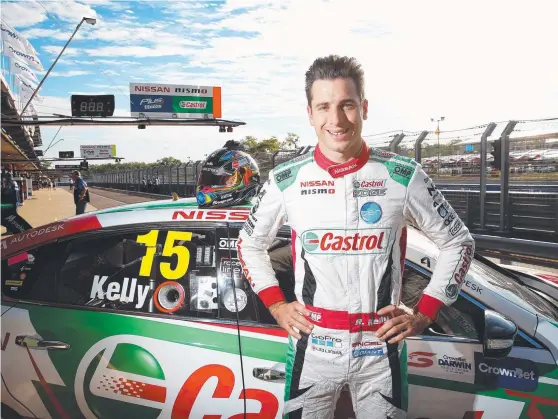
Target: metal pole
[(438, 132), (51, 67), (418, 145), (394, 144), (505, 175), (483, 150)]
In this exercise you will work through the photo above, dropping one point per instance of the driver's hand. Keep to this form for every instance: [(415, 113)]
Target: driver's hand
[(291, 315), (403, 323)]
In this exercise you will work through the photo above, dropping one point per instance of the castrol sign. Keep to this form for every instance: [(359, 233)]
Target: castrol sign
[(350, 242)]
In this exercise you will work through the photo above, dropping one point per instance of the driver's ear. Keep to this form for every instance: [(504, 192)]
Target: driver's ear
[(365, 109)]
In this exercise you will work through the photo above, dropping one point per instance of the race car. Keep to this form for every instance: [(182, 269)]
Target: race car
[(142, 311), (543, 281)]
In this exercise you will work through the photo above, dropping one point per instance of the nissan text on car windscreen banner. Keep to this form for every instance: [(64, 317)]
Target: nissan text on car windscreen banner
[(175, 101)]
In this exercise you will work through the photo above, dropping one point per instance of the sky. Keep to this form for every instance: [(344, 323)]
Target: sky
[(473, 62)]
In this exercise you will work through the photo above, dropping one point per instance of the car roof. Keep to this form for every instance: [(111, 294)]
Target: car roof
[(143, 212)]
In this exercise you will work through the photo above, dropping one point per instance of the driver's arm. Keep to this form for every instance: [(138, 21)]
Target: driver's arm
[(258, 233), (426, 207)]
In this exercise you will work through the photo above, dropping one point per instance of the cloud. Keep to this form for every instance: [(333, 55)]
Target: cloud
[(472, 63), (70, 73), (55, 50), (21, 15), (26, 13)]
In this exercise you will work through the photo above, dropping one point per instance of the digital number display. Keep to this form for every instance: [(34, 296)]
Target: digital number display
[(92, 105)]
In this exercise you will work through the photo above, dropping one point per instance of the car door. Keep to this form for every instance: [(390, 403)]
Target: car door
[(129, 326), (451, 377)]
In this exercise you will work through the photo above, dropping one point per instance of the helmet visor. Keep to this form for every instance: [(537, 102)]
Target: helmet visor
[(218, 179)]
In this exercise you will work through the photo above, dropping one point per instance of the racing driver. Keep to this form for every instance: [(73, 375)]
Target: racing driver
[(348, 205)]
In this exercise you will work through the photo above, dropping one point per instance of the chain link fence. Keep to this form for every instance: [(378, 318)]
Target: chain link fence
[(519, 200)]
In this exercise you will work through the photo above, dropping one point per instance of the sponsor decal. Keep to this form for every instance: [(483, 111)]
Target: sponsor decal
[(228, 243), (326, 344), (371, 212), (152, 89), (22, 257), (13, 220), (358, 353), (351, 242), (458, 365), (241, 300), (258, 200), (403, 171), (364, 188), (131, 376), (452, 290), (364, 322), (317, 187), (464, 321), (231, 268), (127, 292), (457, 225), (381, 153), (190, 90), (191, 104), (281, 176), (321, 191), (25, 56), (298, 158), (421, 359), (510, 373), (312, 183), (248, 228), (149, 103), (211, 215), (337, 170), (425, 261), (11, 283), (369, 348), (473, 287), (443, 209), (316, 317), (250, 223), (466, 258)]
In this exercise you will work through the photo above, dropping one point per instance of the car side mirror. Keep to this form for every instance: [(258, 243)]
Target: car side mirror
[(499, 335)]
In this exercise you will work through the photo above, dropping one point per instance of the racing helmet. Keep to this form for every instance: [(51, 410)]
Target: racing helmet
[(228, 177)]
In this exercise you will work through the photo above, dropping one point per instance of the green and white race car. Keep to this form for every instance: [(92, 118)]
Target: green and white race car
[(142, 311)]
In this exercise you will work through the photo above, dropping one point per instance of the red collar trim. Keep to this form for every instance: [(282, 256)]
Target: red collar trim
[(341, 169)]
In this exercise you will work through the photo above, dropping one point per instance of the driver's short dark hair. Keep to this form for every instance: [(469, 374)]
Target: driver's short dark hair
[(334, 67)]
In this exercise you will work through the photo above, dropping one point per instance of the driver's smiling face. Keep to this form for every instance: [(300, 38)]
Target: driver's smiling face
[(337, 114)]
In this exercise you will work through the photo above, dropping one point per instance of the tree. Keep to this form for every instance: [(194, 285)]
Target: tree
[(271, 144), (168, 161), (291, 141)]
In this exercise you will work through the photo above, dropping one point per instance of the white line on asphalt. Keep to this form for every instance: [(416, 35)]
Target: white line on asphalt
[(106, 197)]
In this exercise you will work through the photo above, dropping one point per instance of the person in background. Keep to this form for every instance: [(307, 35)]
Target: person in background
[(81, 192), (157, 182), (13, 222), (143, 184)]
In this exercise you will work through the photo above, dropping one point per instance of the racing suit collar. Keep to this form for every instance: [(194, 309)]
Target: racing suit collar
[(341, 169)]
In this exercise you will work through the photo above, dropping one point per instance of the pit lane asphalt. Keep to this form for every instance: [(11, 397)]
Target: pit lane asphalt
[(102, 199)]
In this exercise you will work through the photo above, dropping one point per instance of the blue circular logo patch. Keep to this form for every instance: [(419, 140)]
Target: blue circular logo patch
[(371, 212), (201, 198)]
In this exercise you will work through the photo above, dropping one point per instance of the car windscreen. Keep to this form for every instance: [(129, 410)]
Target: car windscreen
[(513, 290)]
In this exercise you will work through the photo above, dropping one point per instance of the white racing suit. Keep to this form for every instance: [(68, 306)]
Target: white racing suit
[(349, 238)]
